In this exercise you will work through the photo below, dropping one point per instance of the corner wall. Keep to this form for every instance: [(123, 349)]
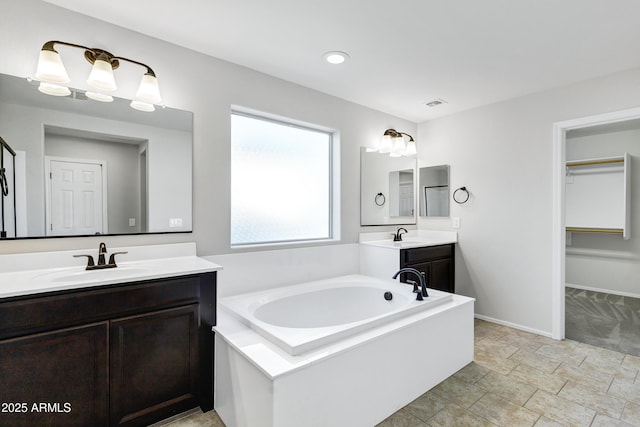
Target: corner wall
[(503, 154)]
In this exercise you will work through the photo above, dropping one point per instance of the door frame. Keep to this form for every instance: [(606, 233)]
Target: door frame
[(47, 173), (558, 272)]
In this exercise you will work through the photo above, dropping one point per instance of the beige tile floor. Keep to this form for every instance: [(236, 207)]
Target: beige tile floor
[(519, 379)]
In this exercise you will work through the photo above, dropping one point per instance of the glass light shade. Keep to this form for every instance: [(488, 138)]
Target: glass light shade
[(385, 144), (149, 91), (398, 146), (97, 96), (101, 76), (55, 90), (142, 106), (411, 148), (50, 68)]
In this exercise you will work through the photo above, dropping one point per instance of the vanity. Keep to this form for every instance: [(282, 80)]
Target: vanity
[(126, 346), (430, 252)]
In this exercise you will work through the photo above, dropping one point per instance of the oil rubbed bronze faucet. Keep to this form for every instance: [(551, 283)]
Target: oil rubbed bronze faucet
[(397, 236), (102, 251)]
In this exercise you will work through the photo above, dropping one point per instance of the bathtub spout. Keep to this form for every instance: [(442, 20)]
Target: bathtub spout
[(421, 279)]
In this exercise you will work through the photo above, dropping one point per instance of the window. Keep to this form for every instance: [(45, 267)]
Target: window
[(281, 186)]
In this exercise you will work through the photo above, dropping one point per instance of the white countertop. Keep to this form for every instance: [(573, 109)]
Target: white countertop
[(34, 273), (412, 239)]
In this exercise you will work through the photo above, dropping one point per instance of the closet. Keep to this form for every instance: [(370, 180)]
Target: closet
[(602, 202)]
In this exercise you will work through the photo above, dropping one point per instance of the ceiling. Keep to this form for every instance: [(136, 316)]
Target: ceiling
[(403, 53)]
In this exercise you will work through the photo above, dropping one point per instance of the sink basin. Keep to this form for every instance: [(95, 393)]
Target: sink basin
[(77, 275)]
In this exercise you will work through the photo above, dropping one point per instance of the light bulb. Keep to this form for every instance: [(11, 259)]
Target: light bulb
[(50, 68), (148, 91), (101, 76), (55, 90)]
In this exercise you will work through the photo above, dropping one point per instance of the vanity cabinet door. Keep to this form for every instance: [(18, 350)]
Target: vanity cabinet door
[(154, 365), (436, 262), (55, 378), (442, 275)]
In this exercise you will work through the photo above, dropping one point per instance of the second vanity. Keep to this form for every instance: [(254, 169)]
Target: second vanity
[(126, 346), (430, 252)]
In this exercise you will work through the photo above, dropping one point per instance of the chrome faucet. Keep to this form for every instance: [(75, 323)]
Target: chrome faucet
[(397, 236), (423, 283), (102, 251)]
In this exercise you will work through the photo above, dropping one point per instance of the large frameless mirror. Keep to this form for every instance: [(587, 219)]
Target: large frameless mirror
[(86, 168)]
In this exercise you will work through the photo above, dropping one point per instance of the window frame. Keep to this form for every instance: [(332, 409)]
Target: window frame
[(333, 218)]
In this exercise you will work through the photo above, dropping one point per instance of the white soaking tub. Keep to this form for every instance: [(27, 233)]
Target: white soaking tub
[(335, 352), (303, 317)]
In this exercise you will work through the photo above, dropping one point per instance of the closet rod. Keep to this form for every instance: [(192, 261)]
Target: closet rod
[(594, 162), (594, 230)]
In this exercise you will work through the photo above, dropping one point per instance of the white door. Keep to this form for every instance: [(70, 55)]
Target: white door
[(76, 198)]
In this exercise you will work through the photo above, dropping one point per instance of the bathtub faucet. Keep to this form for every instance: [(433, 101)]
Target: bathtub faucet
[(421, 279)]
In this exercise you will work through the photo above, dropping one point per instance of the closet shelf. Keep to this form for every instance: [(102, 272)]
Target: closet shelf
[(598, 193)]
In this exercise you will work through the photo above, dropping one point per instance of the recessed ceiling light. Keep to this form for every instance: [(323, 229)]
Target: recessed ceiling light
[(335, 57)]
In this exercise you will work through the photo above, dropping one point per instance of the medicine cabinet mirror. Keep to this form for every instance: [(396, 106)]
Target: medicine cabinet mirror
[(433, 191), (387, 189), (85, 167)]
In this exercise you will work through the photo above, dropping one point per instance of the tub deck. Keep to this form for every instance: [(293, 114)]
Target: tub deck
[(375, 372)]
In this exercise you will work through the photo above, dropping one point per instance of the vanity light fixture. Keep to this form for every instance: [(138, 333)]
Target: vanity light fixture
[(53, 75), (392, 142)]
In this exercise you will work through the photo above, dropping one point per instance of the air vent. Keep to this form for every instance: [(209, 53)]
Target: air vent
[(79, 95), (435, 103)]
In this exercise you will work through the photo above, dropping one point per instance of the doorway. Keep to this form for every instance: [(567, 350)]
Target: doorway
[(75, 197), (559, 259)]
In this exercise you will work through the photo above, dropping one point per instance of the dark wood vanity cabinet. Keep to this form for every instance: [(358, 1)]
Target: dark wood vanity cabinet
[(120, 355), (436, 262)]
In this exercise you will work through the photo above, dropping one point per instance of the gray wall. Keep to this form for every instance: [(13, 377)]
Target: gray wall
[(206, 86), (123, 190), (503, 154)]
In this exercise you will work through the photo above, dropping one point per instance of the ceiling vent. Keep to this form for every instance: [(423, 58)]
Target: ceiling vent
[(435, 103), (79, 95)]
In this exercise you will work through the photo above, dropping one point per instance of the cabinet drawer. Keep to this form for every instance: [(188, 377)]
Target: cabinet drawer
[(415, 255), (28, 315)]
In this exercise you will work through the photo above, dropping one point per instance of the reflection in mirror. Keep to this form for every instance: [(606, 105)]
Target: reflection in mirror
[(433, 191), (387, 189), (85, 167)]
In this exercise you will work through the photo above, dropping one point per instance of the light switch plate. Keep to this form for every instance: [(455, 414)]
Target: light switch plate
[(175, 222), (455, 222)]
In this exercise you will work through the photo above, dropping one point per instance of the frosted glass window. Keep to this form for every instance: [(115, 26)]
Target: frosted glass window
[(280, 182)]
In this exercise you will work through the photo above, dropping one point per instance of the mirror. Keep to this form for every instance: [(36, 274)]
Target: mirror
[(433, 191), (85, 167), (387, 189)]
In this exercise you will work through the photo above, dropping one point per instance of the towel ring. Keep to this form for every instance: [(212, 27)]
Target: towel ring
[(465, 191), (380, 199)]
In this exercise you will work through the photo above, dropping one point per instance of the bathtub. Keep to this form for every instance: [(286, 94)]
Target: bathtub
[(304, 317), (335, 352)]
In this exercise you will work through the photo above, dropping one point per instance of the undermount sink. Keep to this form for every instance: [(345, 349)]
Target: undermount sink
[(75, 275)]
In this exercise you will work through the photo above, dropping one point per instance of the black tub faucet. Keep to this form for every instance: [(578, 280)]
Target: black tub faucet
[(397, 236), (423, 283)]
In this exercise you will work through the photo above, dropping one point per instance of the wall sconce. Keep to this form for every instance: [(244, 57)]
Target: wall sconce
[(52, 76), (392, 142)]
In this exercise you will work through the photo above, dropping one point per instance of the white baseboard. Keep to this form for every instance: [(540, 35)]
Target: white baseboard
[(513, 325), (605, 291)]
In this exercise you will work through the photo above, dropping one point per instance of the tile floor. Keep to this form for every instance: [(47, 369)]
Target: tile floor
[(519, 379)]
